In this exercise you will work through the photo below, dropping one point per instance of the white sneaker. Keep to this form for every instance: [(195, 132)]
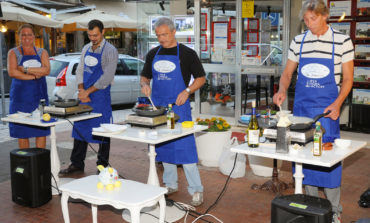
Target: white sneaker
[(171, 190), (336, 218), (197, 199)]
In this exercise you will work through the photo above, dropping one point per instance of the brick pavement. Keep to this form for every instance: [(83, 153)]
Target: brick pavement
[(239, 204)]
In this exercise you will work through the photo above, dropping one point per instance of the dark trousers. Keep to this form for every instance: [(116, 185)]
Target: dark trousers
[(78, 154)]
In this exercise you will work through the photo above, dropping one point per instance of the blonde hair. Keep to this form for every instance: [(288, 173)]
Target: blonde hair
[(316, 6), (26, 25)]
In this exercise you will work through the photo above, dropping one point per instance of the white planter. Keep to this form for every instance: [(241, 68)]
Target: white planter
[(210, 146), (262, 166)]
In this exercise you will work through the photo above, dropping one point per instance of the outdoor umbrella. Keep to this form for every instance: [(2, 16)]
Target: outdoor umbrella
[(79, 23), (13, 13)]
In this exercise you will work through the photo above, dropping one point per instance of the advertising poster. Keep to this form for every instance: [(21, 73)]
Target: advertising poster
[(184, 25), (363, 7), (362, 52), (344, 27), (363, 30), (361, 96), (361, 74), (337, 8)]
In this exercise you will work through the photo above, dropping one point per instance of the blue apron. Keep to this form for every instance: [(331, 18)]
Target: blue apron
[(25, 96), (100, 101), (167, 85), (315, 90)]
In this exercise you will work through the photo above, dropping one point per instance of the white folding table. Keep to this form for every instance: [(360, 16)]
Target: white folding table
[(154, 137), (302, 156), (54, 157)]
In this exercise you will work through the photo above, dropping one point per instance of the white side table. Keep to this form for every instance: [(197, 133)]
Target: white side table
[(131, 195)]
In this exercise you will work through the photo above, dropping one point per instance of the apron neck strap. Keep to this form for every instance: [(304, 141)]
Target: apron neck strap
[(34, 48), (177, 46)]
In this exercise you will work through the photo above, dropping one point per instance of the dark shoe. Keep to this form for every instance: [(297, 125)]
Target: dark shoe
[(71, 169)]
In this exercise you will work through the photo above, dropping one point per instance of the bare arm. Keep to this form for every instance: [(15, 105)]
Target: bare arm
[(13, 70), (145, 86), (285, 80), (184, 95), (346, 87), (44, 70)]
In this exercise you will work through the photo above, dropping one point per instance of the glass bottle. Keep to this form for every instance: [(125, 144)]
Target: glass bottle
[(170, 117), (317, 140), (41, 107), (253, 129)]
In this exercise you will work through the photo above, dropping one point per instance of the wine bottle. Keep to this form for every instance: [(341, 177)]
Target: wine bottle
[(317, 140), (170, 117), (253, 128)]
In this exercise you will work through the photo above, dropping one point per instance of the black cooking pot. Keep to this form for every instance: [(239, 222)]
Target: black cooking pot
[(65, 103), (303, 123), (148, 111)]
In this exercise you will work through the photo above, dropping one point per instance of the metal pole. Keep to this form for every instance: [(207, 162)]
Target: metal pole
[(2, 78)]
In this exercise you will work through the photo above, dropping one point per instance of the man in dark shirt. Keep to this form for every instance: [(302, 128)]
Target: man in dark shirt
[(170, 67)]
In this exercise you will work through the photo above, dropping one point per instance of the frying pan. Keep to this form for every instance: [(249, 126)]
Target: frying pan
[(148, 111), (302, 123), (65, 103)]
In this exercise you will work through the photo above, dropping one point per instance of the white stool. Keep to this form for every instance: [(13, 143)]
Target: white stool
[(131, 195)]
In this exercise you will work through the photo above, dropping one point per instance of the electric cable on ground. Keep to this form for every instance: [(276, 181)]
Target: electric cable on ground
[(99, 156)]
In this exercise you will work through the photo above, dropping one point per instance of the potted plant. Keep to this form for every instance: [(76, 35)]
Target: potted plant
[(211, 142)]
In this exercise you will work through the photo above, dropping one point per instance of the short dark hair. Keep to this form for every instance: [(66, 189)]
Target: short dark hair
[(95, 23)]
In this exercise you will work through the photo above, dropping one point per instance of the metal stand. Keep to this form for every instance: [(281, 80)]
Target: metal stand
[(275, 185)]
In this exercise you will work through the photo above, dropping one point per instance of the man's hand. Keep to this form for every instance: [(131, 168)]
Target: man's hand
[(279, 97), (334, 111), (83, 95), (145, 89), (182, 97)]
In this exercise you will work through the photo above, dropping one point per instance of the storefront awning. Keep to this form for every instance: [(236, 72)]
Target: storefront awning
[(13, 13), (110, 21)]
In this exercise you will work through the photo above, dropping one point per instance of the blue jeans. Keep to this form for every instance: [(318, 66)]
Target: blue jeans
[(191, 173)]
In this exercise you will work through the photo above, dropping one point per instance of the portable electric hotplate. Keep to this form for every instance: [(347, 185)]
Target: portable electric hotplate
[(68, 111), (149, 122), (301, 137)]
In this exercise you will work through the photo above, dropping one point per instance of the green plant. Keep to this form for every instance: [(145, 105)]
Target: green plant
[(214, 124)]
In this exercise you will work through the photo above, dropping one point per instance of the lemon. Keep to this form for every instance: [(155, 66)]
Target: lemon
[(117, 183), (109, 187), (46, 117), (187, 124), (100, 185)]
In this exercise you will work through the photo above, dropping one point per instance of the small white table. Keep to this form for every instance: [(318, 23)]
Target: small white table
[(153, 137), (54, 157), (302, 156), (131, 195)]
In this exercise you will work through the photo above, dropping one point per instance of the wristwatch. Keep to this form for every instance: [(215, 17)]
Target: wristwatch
[(188, 90)]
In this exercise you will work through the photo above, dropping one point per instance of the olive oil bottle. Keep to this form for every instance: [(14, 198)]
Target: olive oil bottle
[(253, 128), (170, 117), (317, 140)]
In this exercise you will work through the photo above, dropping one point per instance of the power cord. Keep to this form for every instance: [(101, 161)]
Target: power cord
[(99, 156), (180, 206), (224, 188), (56, 185)]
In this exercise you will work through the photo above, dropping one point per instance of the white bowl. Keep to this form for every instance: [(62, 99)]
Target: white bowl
[(342, 143)]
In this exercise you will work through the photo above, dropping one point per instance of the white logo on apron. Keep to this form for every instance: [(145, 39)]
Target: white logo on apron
[(313, 84), (315, 70), (31, 63), (91, 61), (164, 66)]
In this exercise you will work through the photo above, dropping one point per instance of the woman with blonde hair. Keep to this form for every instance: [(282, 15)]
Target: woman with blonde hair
[(28, 66)]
